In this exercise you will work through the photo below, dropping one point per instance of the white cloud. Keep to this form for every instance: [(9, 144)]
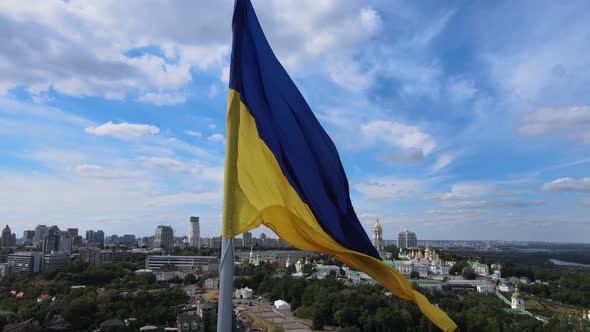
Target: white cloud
[(123, 130), (461, 191), (53, 156), (568, 185), (203, 173), (410, 156), (370, 20), (389, 188), (193, 133), (535, 59), (216, 137), (94, 171), (567, 122), (461, 90), (349, 75), (165, 163), (398, 135), (93, 49), (442, 161), (495, 204), (224, 77), (123, 206), (406, 56), (212, 91), (163, 98)]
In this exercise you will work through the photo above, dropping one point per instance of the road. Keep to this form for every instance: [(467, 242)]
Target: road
[(267, 312)]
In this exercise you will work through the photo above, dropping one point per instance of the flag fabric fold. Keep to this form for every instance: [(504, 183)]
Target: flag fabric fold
[(283, 171)]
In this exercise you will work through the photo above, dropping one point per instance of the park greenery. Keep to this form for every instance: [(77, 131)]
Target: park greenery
[(112, 290), (570, 285), (329, 302)]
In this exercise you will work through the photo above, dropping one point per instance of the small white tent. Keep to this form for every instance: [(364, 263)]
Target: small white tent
[(282, 305)]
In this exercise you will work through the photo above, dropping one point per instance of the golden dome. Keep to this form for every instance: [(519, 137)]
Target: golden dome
[(427, 250), (377, 225)]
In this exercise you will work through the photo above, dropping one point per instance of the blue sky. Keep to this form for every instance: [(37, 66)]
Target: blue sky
[(463, 120)]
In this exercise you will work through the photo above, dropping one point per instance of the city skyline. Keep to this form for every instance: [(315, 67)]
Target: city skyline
[(445, 123), (264, 232)]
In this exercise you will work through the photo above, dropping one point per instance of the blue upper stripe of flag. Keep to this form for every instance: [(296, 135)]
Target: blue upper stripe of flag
[(305, 153)]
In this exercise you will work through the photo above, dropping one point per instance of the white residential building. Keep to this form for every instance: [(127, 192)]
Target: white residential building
[(479, 268), (486, 289), (244, 293), (186, 263), (506, 287)]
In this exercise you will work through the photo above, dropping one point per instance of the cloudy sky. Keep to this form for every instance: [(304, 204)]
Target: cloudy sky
[(457, 120)]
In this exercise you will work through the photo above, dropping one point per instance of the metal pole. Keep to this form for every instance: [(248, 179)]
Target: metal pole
[(226, 266), (226, 281)]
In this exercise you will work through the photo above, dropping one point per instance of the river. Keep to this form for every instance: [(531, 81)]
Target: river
[(564, 263)]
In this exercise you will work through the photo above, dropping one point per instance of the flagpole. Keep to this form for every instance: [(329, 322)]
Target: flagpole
[(226, 265), (226, 280)]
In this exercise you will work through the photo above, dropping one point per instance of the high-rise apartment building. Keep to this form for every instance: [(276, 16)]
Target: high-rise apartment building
[(57, 241), (90, 237), (247, 239), (28, 237), (99, 236), (194, 235), (164, 237), (73, 232), (407, 239), (128, 239), (7, 241), (51, 240), (39, 235), (65, 243)]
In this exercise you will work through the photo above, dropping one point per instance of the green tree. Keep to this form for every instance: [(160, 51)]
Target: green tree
[(80, 313), (468, 273), (458, 268), (308, 270), (146, 278), (190, 279)]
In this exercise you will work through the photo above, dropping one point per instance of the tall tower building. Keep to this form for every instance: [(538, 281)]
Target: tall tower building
[(7, 238), (51, 241), (247, 239), (28, 237), (39, 235), (164, 237), (194, 234), (378, 239), (73, 232), (65, 243), (407, 239), (90, 237), (99, 236)]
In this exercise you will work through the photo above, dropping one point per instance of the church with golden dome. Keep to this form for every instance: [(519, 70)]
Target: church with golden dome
[(378, 239)]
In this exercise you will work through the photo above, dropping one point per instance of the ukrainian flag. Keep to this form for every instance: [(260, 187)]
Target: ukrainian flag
[(283, 171)]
